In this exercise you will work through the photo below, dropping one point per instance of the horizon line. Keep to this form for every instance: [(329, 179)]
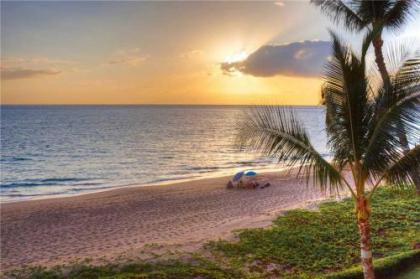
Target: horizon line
[(164, 104)]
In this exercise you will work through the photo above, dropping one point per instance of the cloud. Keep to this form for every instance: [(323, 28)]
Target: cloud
[(279, 4), (31, 67), (130, 57), (191, 54), (22, 73), (295, 59), (35, 62)]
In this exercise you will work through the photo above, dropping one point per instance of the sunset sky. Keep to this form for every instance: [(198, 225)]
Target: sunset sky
[(165, 52)]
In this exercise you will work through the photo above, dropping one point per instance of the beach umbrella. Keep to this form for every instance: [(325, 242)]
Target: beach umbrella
[(237, 176), (250, 173), (241, 174)]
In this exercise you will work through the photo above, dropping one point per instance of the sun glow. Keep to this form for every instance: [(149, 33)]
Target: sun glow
[(236, 57)]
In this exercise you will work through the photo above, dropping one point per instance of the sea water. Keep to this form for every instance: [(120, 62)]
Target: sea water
[(51, 151)]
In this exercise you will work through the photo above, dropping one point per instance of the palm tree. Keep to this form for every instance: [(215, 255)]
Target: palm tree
[(361, 129), (374, 15), (360, 14)]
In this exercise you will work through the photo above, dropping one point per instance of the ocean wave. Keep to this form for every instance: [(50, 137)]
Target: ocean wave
[(23, 195), (80, 189), (41, 182), (14, 159), (179, 178)]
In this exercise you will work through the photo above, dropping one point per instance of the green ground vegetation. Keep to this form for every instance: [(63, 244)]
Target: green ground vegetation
[(310, 243), (197, 268)]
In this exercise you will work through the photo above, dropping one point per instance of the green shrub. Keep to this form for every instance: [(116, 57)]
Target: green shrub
[(384, 268), (164, 270)]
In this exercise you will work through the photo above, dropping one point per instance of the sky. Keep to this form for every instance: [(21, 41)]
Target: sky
[(114, 52)]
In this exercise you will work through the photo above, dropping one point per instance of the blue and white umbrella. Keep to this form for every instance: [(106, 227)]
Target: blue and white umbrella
[(239, 175)]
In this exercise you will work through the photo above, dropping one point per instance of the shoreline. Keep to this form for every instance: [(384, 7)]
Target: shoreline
[(215, 175), (142, 220)]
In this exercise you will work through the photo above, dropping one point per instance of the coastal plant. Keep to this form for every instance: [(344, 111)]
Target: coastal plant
[(363, 124), (357, 15), (200, 268), (305, 243)]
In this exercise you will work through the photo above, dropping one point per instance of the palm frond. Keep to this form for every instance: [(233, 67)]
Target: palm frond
[(383, 143), (403, 65), (346, 94), (396, 112), (406, 84), (339, 12), (400, 13), (398, 51), (372, 10), (400, 171), (408, 76), (275, 131)]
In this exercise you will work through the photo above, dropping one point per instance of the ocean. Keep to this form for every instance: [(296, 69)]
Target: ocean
[(49, 151)]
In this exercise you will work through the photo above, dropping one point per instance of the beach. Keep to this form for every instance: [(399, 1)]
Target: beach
[(136, 222)]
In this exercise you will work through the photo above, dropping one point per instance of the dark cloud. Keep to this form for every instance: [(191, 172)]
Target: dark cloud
[(295, 59), (21, 73)]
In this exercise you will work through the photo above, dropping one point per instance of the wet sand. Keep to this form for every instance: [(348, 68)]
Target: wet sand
[(126, 222)]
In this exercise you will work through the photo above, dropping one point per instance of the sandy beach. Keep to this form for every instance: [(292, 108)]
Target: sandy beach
[(126, 222)]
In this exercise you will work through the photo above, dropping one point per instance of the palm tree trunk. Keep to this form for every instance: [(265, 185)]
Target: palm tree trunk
[(363, 213), (379, 59)]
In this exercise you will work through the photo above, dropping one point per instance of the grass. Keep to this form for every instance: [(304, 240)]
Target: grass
[(307, 243), (300, 244), (199, 268)]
